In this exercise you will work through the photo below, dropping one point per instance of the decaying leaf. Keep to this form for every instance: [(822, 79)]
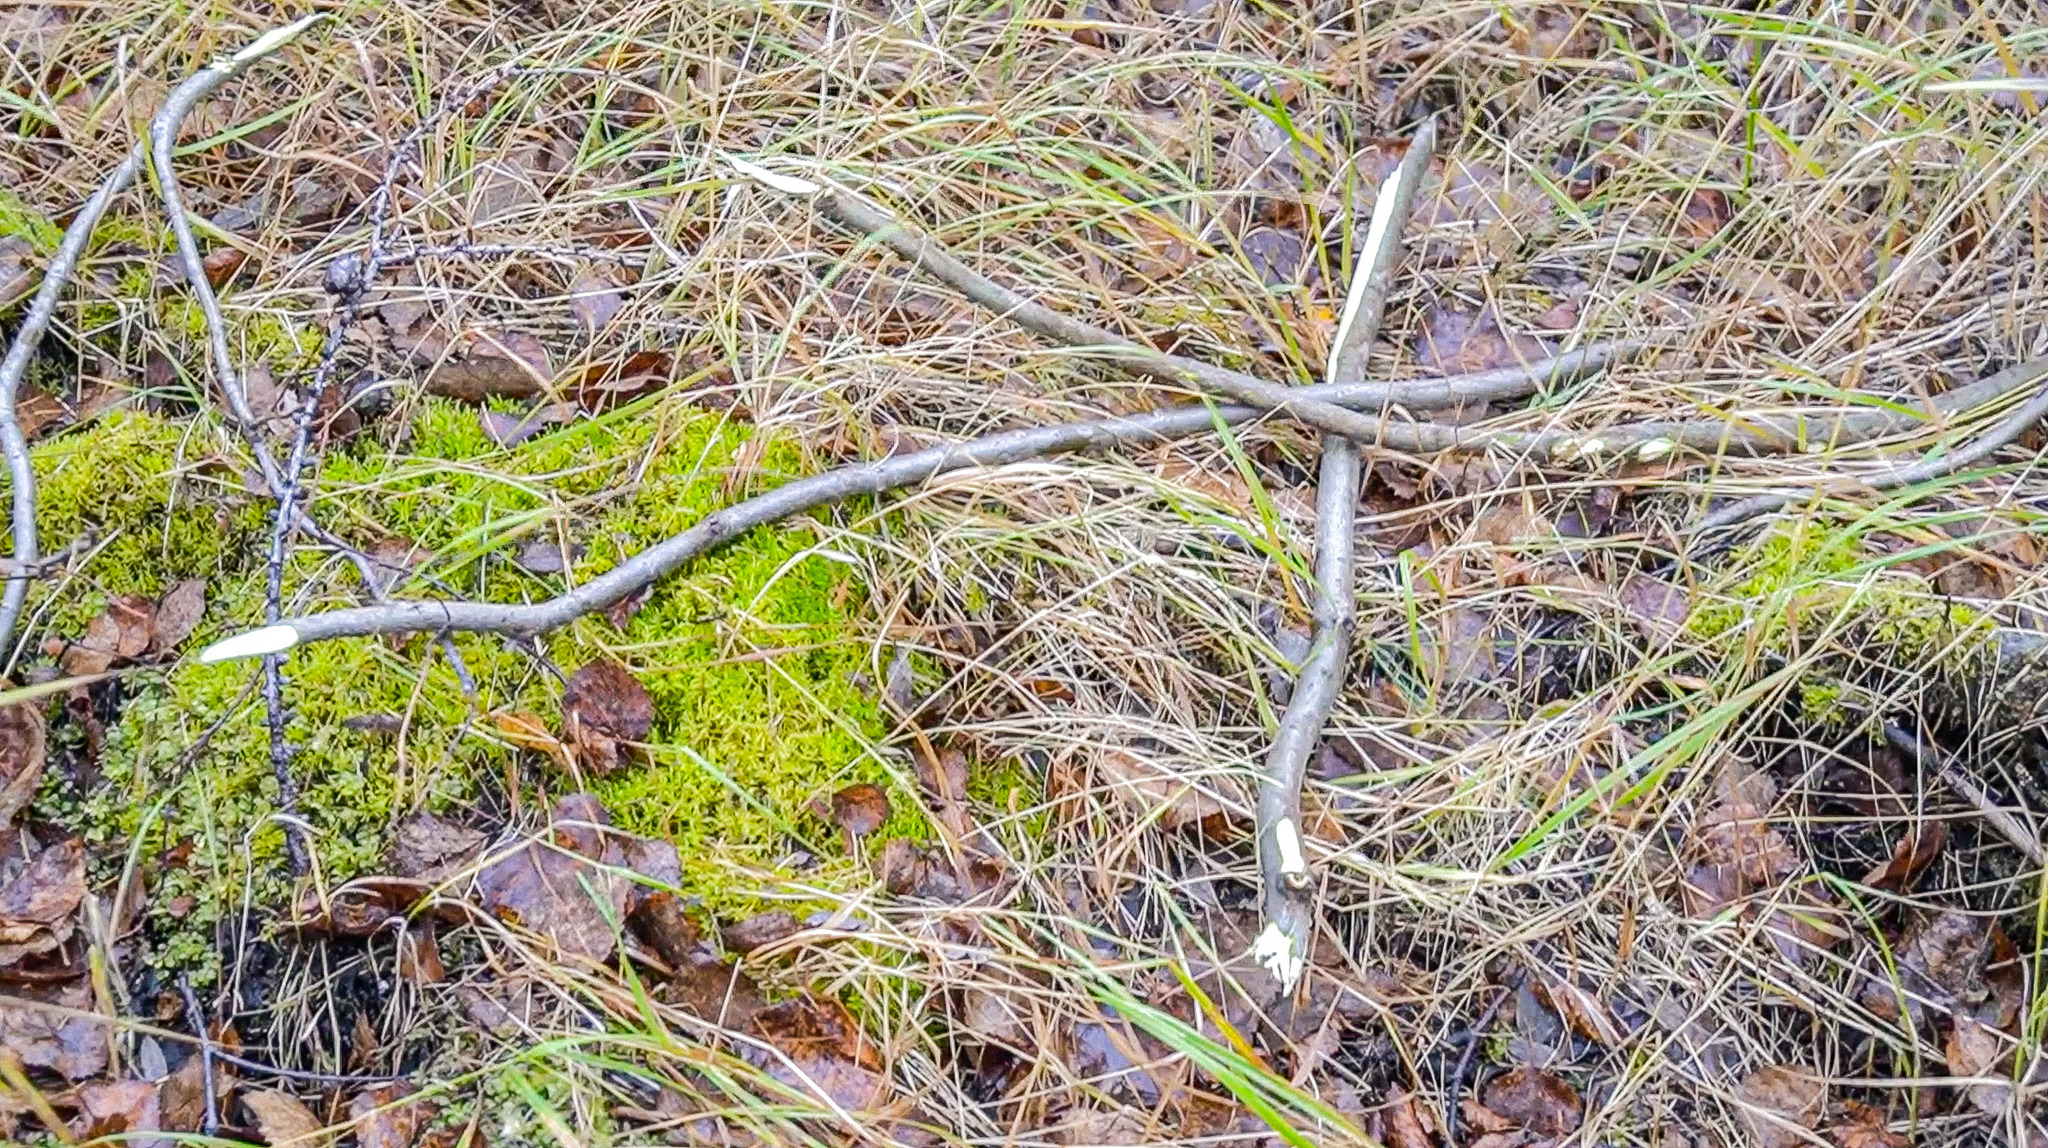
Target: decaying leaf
[(221, 264), (1952, 962), (282, 1117), (1776, 1103), (909, 870), (178, 614), (1863, 1126), (1150, 787), (72, 1046), (431, 849), (607, 384), (529, 732), (860, 808), (823, 1051), (1533, 1099), (760, 929), (36, 907), (497, 364), (1456, 340), (604, 705), (594, 301), (1914, 852), (120, 1110), (1974, 1049), (552, 888), (22, 737), (509, 430), (383, 1119), (1402, 1122), (1740, 859)]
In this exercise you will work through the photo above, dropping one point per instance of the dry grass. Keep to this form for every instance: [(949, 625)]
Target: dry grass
[(1774, 200)]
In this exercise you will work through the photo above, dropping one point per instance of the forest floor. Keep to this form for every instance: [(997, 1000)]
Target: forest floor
[(928, 816)]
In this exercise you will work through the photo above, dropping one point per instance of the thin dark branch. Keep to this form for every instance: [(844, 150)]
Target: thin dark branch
[(210, 1113), (41, 310), (1456, 1085), (1283, 946), (722, 526)]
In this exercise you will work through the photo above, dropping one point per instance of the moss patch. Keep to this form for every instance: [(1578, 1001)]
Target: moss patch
[(751, 654)]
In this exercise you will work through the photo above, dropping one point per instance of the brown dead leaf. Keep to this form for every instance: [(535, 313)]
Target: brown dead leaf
[(383, 1119), (1455, 340), (282, 1117), (529, 732), (1704, 213), (361, 907), (909, 870), (73, 1046), (120, 1110), (1775, 1103), (1914, 852), (860, 808), (1148, 786), (36, 907), (760, 929), (603, 705), (178, 614), (498, 363), (431, 849), (1655, 607), (1585, 1012), (606, 385), (182, 1095), (18, 273), (419, 955), (125, 629), (221, 265), (1403, 1123), (509, 431), (1534, 1099), (1863, 1126), (1941, 961), (22, 746), (594, 301), (823, 1052), (1974, 1049), (551, 888)]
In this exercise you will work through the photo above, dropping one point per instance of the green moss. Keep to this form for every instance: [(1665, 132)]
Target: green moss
[(750, 654), (18, 218), (254, 336)]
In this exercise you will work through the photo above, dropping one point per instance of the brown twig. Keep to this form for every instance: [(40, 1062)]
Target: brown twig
[(1283, 945)]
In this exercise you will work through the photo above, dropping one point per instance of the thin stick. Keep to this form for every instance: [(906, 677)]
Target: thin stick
[(163, 136), (1477, 1033), (722, 526), (44, 307), (1966, 787), (1932, 467), (1283, 946)]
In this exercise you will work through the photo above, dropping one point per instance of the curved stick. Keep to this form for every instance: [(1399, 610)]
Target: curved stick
[(62, 266), (871, 478), (1283, 946)]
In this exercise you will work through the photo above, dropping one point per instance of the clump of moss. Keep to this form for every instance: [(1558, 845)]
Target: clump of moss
[(18, 218), (752, 655)]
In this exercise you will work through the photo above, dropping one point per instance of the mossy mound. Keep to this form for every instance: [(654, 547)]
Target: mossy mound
[(752, 655)]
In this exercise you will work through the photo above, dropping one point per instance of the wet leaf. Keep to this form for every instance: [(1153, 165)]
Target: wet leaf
[(759, 930), (1940, 962), (1116, 1057), (909, 870), (594, 301), (1586, 1013), (360, 907), (1655, 607), (540, 556), (18, 272), (72, 1046), (382, 1119), (1776, 1103), (498, 364), (120, 1110), (1277, 257), (36, 907), (1456, 340), (1534, 1099), (860, 809), (431, 849), (280, 1116), (182, 1094), (827, 1054), (178, 614), (22, 744), (603, 705)]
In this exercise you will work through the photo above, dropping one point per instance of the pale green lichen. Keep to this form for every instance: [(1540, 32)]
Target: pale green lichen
[(753, 655)]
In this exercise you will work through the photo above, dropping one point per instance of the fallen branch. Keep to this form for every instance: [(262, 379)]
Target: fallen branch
[(1283, 945), (873, 478), (1935, 465), (41, 310)]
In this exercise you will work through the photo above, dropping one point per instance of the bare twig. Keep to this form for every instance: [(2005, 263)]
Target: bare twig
[(1477, 1033), (1283, 946), (1933, 466), (722, 526), (1966, 787), (163, 135), (41, 310)]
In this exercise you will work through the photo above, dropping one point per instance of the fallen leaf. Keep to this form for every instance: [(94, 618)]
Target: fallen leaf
[(603, 705), (1455, 340), (120, 1110), (529, 732), (1941, 962), (860, 809), (36, 907), (509, 431), (500, 188), (1974, 1049), (551, 887), (1148, 787), (221, 264), (125, 629), (1404, 1122), (759, 930), (594, 301), (182, 1094), (1553, 32), (1863, 1126), (22, 745), (606, 385), (1586, 1013), (17, 269), (419, 955), (1704, 213), (282, 1117), (1656, 608), (1534, 1099), (72, 1046), (178, 614), (431, 849), (909, 870), (410, 324), (1914, 852), (498, 364), (823, 1052), (1277, 257), (540, 556), (1776, 1103), (382, 1119), (1115, 1057), (361, 907)]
